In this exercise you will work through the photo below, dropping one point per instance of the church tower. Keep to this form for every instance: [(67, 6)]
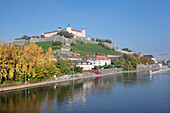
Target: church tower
[(69, 28), (83, 32)]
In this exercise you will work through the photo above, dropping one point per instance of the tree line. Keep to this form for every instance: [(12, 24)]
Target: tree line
[(30, 60), (130, 62), (102, 40)]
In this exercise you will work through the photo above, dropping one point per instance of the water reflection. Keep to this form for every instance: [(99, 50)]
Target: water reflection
[(62, 96)]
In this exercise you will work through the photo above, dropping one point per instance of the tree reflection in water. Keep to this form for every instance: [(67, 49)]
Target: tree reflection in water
[(46, 98)]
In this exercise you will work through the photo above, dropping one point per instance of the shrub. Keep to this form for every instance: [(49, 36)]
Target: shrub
[(73, 44), (78, 69), (66, 34), (42, 36), (93, 39), (168, 62), (104, 46), (79, 42), (108, 41), (126, 49), (99, 40), (56, 43)]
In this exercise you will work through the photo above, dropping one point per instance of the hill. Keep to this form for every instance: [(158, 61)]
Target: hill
[(81, 48), (93, 49), (47, 44)]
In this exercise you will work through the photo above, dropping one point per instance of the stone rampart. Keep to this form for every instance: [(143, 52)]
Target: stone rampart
[(21, 42), (141, 67), (33, 40)]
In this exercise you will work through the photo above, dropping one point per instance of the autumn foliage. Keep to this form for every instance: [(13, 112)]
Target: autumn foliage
[(130, 62), (16, 61)]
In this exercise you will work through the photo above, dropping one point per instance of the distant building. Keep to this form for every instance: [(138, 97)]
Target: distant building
[(89, 38), (140, 54), (152, 58), (112, 57), (98, 60), (63, 52), (74, 57), (102, 60), (65, 48), (77, 33), (83, 63)]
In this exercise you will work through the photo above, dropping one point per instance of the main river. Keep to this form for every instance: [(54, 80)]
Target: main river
[(123, 93)]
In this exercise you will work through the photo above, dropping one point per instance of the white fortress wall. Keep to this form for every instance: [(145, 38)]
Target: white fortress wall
[(50, 34)]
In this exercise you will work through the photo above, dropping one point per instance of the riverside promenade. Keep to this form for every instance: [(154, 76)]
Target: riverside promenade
[(21, 87)]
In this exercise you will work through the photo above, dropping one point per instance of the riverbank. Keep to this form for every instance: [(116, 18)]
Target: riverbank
[(9, 89), (160, 71)]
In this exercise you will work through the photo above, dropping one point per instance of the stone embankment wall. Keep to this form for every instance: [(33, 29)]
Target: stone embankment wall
[(141, 67), (105, 71)]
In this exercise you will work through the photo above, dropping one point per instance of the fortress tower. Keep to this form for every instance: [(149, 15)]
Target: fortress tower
[(59, 29), (69, 28), (83, 32)]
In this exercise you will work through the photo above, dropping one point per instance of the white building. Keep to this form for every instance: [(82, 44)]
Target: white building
[(98, 60), (84, 64), (77, 33)]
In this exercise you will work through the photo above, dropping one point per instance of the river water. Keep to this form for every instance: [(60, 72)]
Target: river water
[(122, 93)]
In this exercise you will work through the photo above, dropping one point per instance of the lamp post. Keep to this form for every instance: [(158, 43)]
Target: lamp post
[(25, 78), (73, 72)]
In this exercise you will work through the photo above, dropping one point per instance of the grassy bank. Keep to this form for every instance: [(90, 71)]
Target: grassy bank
[(93, 49), (47, 44)]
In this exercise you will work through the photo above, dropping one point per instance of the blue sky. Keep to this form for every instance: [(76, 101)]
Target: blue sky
[(141, 25)]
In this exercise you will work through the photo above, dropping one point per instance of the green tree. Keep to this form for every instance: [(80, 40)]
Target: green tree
[(73, 44), (65, 66), (66, 34), (108, 41), (42, 36), (93, 39), (133, 61), (168, 62), (56, 43)]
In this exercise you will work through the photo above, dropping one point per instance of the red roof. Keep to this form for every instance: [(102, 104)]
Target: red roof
[(90, 57), (102, 57), (75, 56)]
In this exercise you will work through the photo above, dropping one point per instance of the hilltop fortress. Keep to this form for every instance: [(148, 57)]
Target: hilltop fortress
[(78, 35)]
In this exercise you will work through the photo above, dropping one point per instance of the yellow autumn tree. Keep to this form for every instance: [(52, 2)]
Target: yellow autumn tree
[(15, 61), (51, 68)]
